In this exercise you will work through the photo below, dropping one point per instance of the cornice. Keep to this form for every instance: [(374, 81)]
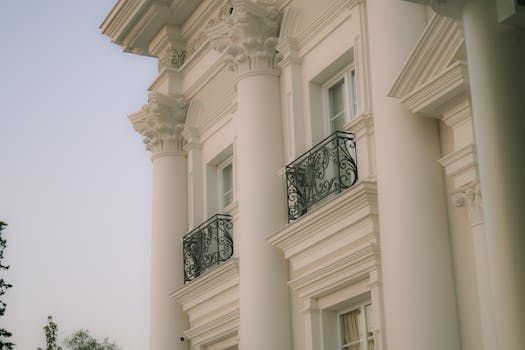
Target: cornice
[(133, 24), (213, 282), (172, 75), (347, 209), (362, 125), (437, 46), (354, 266), (458, 114), (428, 99), (120, 17), (460, 161), (214, 330)]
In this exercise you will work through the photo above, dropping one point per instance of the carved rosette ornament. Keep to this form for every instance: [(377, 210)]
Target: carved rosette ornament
[(470, 197), (247, 36), (162, 122)]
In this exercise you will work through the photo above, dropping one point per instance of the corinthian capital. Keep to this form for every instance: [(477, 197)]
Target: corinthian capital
[(161, 122), (247, 36)]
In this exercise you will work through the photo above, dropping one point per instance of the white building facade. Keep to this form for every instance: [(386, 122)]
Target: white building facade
[(339, 174)]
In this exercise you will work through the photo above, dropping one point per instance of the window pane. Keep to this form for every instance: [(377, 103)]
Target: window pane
[(350, 327), (336, 105), (353, 87), (369, 327), (227, 185)]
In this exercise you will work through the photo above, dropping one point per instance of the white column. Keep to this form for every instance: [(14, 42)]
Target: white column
[(160, 123), (419, 296), (496, 56), (248, 38)]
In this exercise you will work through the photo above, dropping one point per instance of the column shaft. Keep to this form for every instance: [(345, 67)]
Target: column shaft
[(496, 56), (419, 296), (264, 306), (168, 322)]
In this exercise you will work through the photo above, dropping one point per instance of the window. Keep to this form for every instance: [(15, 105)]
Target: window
[(340, 99), (226, 183), (355, 329)]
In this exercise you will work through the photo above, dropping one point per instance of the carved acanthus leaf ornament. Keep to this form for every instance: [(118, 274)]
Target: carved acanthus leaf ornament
[(247, 36), (470, 197), (162, 122)]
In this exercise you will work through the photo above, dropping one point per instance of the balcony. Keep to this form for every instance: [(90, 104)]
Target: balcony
[(328, 168), (207, 245)]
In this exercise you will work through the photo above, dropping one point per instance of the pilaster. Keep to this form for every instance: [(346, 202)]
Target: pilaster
[(193, 147), (292, 106)]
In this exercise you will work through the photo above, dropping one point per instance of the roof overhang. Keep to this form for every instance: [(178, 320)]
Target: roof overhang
[(132, 24)]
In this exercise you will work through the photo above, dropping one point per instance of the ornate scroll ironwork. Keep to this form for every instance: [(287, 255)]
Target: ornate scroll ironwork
[(329, 167), (207, 245)]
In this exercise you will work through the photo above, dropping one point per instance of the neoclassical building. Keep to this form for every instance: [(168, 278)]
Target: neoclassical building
[(338, 174)]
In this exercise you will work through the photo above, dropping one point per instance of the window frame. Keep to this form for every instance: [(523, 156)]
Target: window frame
[(365, 339), (220, 176), (350, 100)]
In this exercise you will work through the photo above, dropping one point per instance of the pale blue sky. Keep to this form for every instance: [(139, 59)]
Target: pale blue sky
[(75, 180)]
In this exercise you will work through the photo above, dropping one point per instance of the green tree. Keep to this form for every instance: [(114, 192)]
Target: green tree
[(5, 344), (82, 340), (50, 331)]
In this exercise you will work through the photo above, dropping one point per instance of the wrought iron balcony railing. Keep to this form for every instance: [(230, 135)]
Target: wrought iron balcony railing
[(329, 167), (207, 245)]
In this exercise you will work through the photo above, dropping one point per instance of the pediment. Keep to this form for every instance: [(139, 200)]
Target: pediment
[(440, 48)]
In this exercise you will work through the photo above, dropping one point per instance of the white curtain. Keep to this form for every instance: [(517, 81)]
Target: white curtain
[(351, 329)]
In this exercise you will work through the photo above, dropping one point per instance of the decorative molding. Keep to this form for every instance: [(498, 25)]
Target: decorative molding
[(470, 197), (247, 36), (172, 76), (329, 18), (355, 266), (161, 122), (362, 125), (436, 49), (215, 330), (216, 291), (430, 97), (201, 38), (348, 209), (213, 281), (461, 166), (172, 57)]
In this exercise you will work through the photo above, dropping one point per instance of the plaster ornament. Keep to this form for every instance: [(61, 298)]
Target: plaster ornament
[(162, 123), (470, 197), (247, 36), (172, 58)]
